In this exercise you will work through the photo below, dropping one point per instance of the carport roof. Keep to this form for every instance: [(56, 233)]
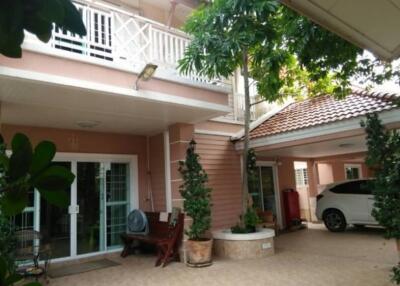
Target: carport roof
[(324, 110)]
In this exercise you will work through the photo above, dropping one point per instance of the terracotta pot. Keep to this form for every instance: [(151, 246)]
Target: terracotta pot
[(199, 252)]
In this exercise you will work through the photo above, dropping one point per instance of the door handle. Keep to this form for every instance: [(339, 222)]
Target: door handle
[(371, 199), (73, 209)]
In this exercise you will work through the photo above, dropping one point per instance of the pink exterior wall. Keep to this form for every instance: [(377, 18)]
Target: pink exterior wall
[(325, 173), (222, 164), (157, 171), (75, 141), (286, 173), (331, 169), (95, 73), (219, 127)]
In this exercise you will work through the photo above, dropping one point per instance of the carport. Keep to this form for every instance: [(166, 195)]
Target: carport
[(314, 142)]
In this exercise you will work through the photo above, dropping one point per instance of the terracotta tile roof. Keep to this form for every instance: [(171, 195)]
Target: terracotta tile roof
[(323, 110)]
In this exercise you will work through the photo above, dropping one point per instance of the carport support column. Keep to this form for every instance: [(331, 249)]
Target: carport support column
[(312, 173), (179, 136)]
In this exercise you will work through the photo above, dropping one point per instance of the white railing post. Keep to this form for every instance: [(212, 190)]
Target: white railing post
[(151, 44)]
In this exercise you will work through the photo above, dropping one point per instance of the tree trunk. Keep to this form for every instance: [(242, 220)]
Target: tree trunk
[(245, 188), (398, 247)]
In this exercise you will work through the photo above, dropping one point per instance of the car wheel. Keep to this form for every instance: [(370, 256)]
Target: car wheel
[(334, 220)]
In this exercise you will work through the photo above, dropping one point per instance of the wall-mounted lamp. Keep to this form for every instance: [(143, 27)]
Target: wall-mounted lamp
[(146, 74)]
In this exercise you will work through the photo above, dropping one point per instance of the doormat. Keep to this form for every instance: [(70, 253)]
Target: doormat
[(81, 268)]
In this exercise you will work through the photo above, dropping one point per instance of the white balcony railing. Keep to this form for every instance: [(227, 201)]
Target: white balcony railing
[(122, 38)]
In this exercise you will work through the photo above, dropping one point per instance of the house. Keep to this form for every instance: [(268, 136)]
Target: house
[(123, 142), (308, 144)]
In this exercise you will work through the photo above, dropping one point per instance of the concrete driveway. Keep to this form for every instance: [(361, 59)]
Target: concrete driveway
[(306, 257)]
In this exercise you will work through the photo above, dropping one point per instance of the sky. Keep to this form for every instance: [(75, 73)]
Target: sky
[(388, 86)]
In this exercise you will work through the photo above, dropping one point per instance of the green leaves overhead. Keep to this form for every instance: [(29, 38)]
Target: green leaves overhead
[(26, 169), (37, 17), (288, 53)]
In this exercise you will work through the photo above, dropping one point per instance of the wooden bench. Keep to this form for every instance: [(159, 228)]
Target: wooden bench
[(166, 236)]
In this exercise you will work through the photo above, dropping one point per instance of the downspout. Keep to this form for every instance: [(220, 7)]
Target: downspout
[(149, 189)]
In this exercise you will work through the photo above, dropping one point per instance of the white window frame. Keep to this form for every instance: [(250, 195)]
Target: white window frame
[(354, 166)]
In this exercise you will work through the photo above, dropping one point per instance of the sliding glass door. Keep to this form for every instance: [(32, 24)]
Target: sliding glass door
[(117, 186), (262, 189), (102, 197), (97, 214), (90, 184)]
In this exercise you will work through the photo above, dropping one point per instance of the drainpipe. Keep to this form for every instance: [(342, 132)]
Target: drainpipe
[(149, 189)]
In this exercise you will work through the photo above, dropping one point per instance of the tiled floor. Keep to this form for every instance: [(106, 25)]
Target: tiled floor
[(306, 257)]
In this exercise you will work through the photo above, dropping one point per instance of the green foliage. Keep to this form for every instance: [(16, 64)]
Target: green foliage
[(288, 53), (252, 177), (37, 17), (8, 242), (251, 161), (27, 169), (251, 218), (383, 157), (396, 274), (8, 277), (197, 196), (23, 170), (249, 223)]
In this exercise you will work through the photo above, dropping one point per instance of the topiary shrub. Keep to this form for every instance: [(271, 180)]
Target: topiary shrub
[(383, 157), (197, 196)]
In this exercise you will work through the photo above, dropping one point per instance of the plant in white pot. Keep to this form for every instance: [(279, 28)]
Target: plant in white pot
[(197, 205)]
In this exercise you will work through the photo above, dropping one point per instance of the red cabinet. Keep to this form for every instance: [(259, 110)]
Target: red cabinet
[(292, 207)]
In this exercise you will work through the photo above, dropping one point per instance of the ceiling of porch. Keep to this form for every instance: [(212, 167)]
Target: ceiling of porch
[(320, 149), (55, 105), (370, 24)]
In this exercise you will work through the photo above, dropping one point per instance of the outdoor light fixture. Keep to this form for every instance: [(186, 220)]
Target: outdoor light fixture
[(146, 74), (346, 145), (192, 144), (87, 123)]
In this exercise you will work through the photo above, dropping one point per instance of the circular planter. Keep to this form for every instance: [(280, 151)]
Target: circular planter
[(244, 245)]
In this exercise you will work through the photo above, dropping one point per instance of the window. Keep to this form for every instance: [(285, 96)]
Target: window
[(301, 177), (354, 188), (352, 171)]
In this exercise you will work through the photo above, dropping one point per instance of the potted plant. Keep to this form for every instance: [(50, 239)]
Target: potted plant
[(197, 205)]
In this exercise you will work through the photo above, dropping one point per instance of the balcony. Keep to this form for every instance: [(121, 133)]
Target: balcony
[(123, 40)]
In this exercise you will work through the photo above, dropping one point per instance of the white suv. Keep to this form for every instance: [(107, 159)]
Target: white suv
[(344, 203)]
